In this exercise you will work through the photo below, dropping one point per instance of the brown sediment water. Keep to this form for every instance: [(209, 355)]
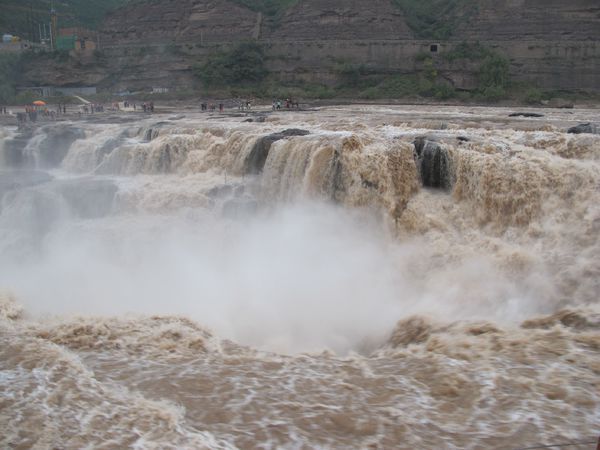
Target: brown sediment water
[(160, 294)]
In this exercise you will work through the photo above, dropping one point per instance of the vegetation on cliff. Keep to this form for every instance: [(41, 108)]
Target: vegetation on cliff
[(22, 18), (435, 19), (243, 64), (243, 69), (493, 73), (268, 7)]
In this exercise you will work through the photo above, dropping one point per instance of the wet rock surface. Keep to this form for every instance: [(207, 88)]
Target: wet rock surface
[(589, 128), (525, 114), (433, 163), (13, 149), (56, 143), (88, 198), (255, 162), (10, 180)]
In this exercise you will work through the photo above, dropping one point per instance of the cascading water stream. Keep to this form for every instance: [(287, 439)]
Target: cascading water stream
[(444, 282)]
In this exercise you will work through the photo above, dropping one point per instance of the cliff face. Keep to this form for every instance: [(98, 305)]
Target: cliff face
[(178, 21), (524, 20), (554, 44), (340, 20)]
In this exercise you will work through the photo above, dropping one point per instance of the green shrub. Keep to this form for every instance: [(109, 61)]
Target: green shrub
[(352, 75), (533, 96), (492, 94), (371, 93), (444, 92), (494, 72), (243, 64), (469, 51), (319, 91), (429, 70), (422, 56), (403, 86)]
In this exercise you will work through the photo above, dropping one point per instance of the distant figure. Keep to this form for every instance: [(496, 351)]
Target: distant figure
[(151, 106), (278, 104), (221, 107)]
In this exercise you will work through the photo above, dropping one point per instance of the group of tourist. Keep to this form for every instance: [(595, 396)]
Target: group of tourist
[(92, 108), (211, 107), (246, 105), (289, 104), (147, 107)]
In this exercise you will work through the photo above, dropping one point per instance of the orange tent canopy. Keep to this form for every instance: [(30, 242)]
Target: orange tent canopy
[(39, 103)]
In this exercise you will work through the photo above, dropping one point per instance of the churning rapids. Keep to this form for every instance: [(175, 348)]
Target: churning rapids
[(344, 278)]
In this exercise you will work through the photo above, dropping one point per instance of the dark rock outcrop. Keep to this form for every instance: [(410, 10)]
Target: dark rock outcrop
[(590, 128), (88, 198), (107, 148), (55, 145), (153, 132), (433, 163), (256, 159), (165, 160), (525, 114), (13, 150), (20, 179), (259, 119)]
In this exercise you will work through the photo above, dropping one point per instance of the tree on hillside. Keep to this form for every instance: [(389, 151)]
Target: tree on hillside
[(244, 63)]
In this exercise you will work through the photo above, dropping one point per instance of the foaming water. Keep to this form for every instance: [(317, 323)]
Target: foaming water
[(304, 278), (184, 283)]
